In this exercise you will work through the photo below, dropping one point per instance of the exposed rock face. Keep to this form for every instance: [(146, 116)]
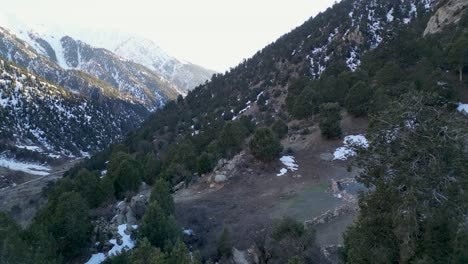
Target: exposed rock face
[(449, 13)]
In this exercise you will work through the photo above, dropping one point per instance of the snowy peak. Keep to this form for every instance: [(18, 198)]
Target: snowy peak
[(146, 52), (68, 55)]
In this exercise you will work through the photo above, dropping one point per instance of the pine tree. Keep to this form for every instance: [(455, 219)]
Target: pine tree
[(161, 193), (158, 227), (264, 145), (224, 244), (416, 165), (458, 54), (330, 120), (358, 99)]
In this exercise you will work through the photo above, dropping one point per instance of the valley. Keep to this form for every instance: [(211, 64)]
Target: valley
[(343, 141)]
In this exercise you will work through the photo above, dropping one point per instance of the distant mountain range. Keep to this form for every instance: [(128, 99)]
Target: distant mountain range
[(121, 75)]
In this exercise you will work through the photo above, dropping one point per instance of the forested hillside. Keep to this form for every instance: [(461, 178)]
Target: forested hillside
[(359, 58), (55, 121)]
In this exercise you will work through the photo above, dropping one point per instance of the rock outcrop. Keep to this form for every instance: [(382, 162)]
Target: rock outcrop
[(449, 13)]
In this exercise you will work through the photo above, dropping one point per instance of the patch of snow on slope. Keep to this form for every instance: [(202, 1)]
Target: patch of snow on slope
[(462, 108), (350, 144), (127, 244), (353, 61), (282, 172), (390, 16), (96, 258), (290, 164), (30, 168)]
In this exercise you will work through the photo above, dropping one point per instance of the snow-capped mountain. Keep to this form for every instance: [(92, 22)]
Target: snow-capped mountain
[(52, 121), (184, 75), (144, 51), (126, 76)]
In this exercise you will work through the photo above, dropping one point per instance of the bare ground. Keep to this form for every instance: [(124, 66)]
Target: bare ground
[(24, 198), (253, 198)]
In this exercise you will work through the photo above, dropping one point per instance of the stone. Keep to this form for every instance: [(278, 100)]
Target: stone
[(220, 178), (335, 186), (138, 205), (327, 156), (239, 257), (179, 186), (131, 219), (230, 166), (120, 219)]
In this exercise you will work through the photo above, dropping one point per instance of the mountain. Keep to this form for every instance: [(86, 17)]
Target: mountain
[(131, 47), (145, 52), (52, 121), (127, 78), (362, 66)]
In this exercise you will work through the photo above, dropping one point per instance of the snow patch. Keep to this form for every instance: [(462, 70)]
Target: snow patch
[(350, 144), (462, 108), (127, 244), (290, 164), (30, 168)]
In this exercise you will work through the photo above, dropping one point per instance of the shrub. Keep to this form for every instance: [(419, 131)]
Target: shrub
[(161, 194), (204, 163), (224, 244), (264, 145), (280, 128), (160, 229), (358, 99), (330, 120)]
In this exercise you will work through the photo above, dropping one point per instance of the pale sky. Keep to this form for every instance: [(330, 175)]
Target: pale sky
[(215, 34)]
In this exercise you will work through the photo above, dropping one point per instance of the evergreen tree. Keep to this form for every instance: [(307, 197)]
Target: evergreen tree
[(158, 227), (13, 249), (67, 220), (224, 244), (280, 128), (416, 165), (330, 119), (161, 193), (93, 189), (458, 54), (145, 253), (152, 168), (204, 163), (264, 145), (358, 99)]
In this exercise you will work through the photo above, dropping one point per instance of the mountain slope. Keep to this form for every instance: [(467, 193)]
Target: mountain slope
[(143, 51), (127, 77), (51, 120), (46, 40), (280, 89)]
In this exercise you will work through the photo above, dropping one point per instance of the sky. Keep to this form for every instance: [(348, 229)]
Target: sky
[(216, 34)]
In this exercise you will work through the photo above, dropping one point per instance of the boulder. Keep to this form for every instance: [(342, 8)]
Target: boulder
[(239, 257), (179, 186), (451, 12), (220, 178), (131, 219), (327, 156), (138, 205)]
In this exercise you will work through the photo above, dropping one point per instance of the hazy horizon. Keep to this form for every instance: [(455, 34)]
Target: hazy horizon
[(212, 33)]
